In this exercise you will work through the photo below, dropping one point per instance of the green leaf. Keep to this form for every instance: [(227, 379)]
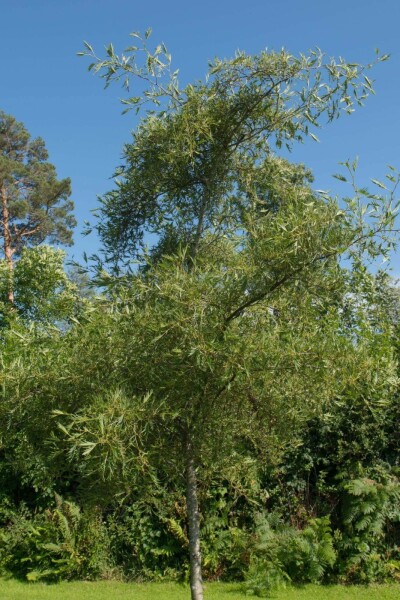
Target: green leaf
[(379, 184)]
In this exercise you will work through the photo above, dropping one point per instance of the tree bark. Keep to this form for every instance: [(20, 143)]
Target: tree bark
[(196, 581), (8, 249)]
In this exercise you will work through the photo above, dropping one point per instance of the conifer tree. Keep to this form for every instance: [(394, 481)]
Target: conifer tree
[(35, 205)]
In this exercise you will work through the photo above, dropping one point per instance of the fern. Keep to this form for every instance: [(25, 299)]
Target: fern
[(60, 543), (175, 528), (283, 554), (368, 504)]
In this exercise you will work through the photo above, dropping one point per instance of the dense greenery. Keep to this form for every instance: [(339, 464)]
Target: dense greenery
[(229, 408)]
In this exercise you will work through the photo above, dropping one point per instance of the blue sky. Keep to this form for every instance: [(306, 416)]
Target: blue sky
[(45, 85)]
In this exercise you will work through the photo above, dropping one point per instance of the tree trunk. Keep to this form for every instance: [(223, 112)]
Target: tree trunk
[(196, 581), (8, 250)]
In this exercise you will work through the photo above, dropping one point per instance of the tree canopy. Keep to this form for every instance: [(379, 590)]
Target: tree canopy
[(203, 156)]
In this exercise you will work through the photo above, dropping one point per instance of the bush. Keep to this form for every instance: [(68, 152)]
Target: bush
[(368, 505), (283, 554), (59, 543), (146, 541)]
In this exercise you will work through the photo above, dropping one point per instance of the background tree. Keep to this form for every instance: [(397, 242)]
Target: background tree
[(43, 293), (35, 204)]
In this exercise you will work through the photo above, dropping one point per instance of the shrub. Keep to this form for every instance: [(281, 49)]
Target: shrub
[(282, 554), (146, 541), (368, 505), (59, 543)]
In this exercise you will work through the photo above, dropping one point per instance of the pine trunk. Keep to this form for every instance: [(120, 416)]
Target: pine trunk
[(8, 250), (196, 581)]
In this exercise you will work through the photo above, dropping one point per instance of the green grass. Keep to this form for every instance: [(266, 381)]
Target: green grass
[(110, 590)]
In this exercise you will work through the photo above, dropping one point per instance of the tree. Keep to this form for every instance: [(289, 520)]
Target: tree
[(236, 325), (35, 204), (43, 293)]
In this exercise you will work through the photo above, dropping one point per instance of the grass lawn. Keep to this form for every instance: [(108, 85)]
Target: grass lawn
[(109, 590)]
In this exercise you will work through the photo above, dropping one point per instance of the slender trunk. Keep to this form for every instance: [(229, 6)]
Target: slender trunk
[(196, 581), (8, 250), (192, 503)]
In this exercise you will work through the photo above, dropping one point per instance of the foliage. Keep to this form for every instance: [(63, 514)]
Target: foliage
[(204, 157), (147, 539), (61, 543), (283, 554), (228, 508), (367, 505), (43, 293)]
